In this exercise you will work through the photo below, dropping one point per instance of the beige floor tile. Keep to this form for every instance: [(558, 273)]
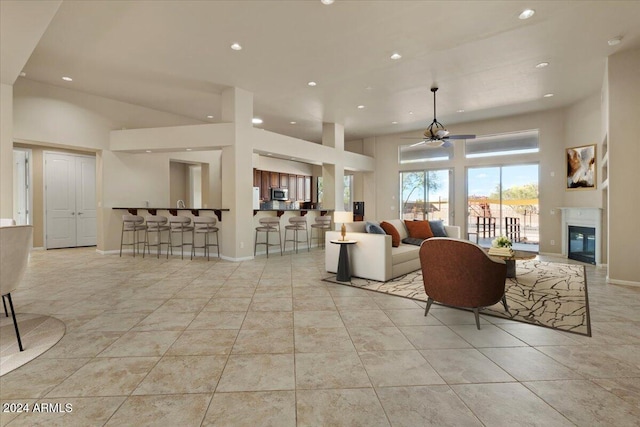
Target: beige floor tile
[(488, 336), (217, 320), (136, 305), (330, 370), (151, 343), (228, 304), (340, 407), (379, 339), (452, 316), (313, 303), (322, 340), (411, 317), (268, 409), (508, 404), (430, 337), (317, 319), (627, 389), (264, 341), (537, 336), (271, 304), (355, 303), (82, 412), (183, 305), (119, 322), (258, 372), (268, 320), (590, 361), (273, 291), (82, 344), (462, 366), (175, 410), (165, 321), (108, 377), (38, 377), (586, 403), (203, 342), (435, 405), (183, 374), (528, 364), (399, 368), (364, 318), (391, 302)]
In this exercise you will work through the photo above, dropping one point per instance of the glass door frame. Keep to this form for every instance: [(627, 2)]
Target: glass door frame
[(451, 193)]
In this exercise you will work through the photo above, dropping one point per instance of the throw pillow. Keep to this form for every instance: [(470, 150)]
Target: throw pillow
[(373, 228), (437, 228), (391, 230), (413, 241), (419, 229)]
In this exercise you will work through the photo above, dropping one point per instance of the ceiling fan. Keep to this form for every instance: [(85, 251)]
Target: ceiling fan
[(436, 135)]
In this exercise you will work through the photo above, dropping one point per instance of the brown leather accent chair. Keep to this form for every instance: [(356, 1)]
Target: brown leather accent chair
[(459, 273)]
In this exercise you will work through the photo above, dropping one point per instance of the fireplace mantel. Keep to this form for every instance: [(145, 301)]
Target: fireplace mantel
[(582, 217)]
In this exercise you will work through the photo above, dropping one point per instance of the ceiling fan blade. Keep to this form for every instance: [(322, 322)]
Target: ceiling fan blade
[(418, 143), (460, 137), (434, 143)]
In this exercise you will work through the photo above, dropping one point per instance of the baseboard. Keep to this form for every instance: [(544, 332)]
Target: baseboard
[(622, 282)]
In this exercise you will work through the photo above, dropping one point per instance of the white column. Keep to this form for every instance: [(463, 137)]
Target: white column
[(6, 151), (237, 175), (333, 175)]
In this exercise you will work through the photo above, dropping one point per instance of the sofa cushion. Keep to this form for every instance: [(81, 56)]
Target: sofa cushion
[(399, 225), (404, 253), (419, 229), (416, 241), (354, 227), (437, 228), (373, 228), (392, 231)]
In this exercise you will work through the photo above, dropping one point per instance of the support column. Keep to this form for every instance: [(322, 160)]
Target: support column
[(333, 175), (237, 174), (6, 151)]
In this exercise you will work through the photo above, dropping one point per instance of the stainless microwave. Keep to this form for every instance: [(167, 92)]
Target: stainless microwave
[(279, 194)]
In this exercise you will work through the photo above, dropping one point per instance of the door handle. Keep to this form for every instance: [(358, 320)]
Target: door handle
[(79, 213), (73, 213)]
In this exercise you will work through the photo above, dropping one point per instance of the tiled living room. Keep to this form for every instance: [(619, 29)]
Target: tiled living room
[(267, 342)]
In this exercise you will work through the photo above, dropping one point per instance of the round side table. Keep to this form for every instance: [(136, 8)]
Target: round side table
[(344, 271)]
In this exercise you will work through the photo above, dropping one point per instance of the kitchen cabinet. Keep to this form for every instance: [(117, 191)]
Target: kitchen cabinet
[(284, 180), (300, 188)]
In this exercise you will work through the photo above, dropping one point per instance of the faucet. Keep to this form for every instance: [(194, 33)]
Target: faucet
[(181, 205)]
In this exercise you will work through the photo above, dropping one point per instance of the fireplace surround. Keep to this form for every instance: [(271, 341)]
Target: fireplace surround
[(585, 235)]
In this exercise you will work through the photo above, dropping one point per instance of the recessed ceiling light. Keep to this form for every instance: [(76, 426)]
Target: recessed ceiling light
[(327, 2), (311, 84), (548, 95), (396, 55), (23, 74), (67, 79), (189, 149), (410, 112), (614, 41), (148, 151), (269, 154), (526, 14), (369, 88), (542, 65), (460, 111), (360, 107), (394, 123), (293, 123), (209, 116), (256, 121), (236, 46)]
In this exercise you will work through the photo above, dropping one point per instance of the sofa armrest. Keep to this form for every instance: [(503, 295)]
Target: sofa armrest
[(369, 258), (453, 231)]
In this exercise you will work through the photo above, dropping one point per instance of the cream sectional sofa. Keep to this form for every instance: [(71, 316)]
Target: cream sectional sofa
[(373, 257)]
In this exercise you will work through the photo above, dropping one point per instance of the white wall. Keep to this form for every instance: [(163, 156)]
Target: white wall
[(6, 151)]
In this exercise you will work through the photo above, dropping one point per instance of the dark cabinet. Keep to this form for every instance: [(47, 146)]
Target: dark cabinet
[(264, 185), (275, 179), (299, 186)]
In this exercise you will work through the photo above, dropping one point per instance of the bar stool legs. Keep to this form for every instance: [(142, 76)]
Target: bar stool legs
[(297, 224), (205, 226), (268, 225), (133, 225), (182, 225), (156, 225)]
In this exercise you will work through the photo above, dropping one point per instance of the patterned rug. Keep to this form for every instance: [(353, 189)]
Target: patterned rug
[(546, 294)]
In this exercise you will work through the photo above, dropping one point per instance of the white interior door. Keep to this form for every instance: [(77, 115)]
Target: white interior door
[(86, 226), (70, 197)]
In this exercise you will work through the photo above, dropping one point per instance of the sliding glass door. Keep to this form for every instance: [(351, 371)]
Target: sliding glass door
[(503, 200), (426, 195)]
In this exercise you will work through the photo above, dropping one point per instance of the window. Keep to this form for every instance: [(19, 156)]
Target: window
[(502, 144), (320, 189), (425, 195), (348, 193), (422, 153)]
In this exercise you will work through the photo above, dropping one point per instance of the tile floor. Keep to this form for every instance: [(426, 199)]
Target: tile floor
[(266, 342)]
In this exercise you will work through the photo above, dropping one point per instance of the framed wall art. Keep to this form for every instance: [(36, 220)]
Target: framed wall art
[(581, 167)]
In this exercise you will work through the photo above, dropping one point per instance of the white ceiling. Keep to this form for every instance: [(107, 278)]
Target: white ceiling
[(175, 56)]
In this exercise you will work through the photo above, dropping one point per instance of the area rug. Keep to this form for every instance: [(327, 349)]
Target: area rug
[(547, 294), (38, 332)]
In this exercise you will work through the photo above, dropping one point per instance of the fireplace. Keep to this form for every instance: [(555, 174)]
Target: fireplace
[(582, 244)]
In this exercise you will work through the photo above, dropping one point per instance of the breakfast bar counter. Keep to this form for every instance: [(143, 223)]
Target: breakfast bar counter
[(174, 211)]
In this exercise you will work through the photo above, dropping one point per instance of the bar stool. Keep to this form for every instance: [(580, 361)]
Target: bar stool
[(180, 224), (132, 224), (296, 224), (205, 225), (268, 225), (322, 224), (156, 224)]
